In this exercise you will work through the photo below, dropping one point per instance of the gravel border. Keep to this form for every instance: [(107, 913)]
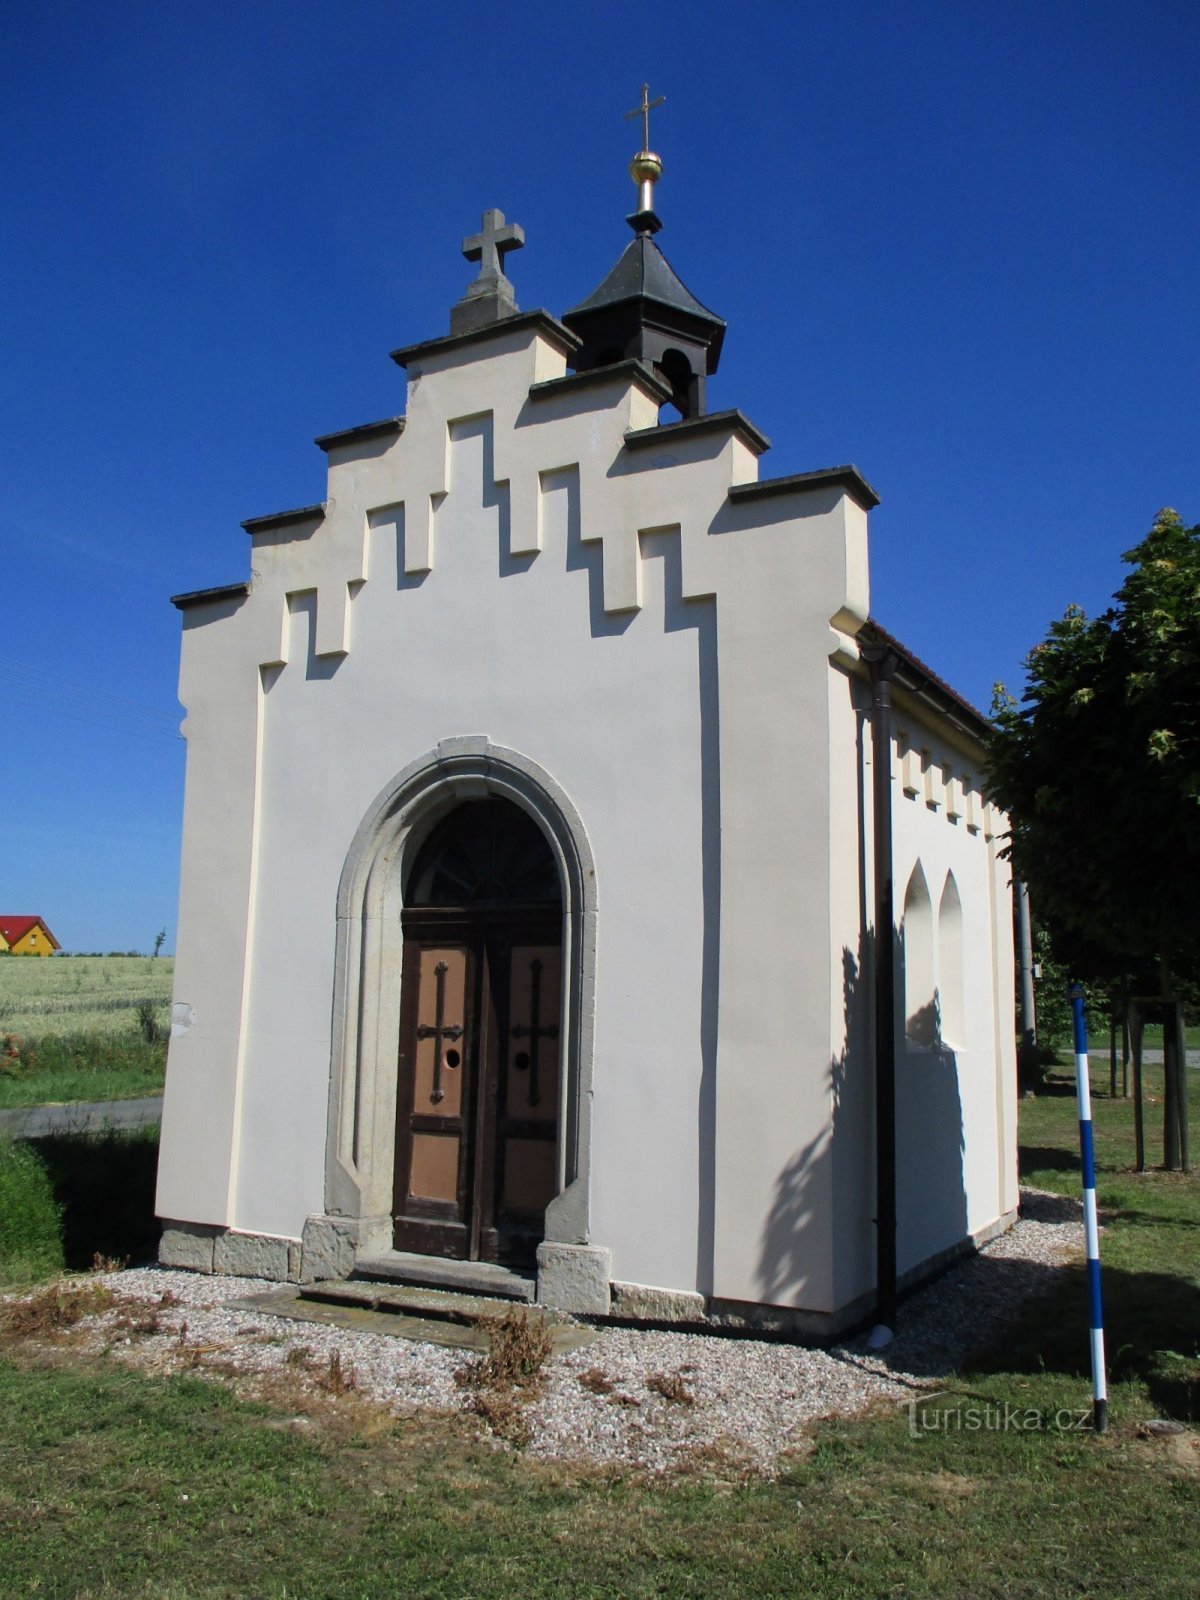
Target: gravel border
[(736, 1403)]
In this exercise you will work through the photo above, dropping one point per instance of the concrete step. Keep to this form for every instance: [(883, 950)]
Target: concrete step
[(386, 1312), (458, 1277), (409, 1300)]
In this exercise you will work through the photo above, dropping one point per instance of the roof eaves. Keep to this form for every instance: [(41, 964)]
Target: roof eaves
[(845, 477), (920, 679), (364, 433), (536, 321), (707, 422), (594, 377), (275, 520), (204, 597)]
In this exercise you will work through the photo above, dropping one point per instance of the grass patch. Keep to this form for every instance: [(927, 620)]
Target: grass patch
[(30, 1217), (1149, 1248), (70, 1198), (84, 1066), (118, 1484)]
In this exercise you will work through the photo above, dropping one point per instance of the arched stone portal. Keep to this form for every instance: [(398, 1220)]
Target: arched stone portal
[(361, 1149)]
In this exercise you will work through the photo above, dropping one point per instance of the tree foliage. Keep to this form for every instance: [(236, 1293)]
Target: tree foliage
[(1099, 770)]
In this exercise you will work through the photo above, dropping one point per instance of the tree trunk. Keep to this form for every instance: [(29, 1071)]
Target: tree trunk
[(1139, 1127), (1125, 1051), (1172, 1073), (1112, 1058), (1181, 1082)]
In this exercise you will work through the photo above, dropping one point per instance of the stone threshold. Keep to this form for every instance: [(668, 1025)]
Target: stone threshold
[(401, 1299), (401, 1315), (436, 1272)]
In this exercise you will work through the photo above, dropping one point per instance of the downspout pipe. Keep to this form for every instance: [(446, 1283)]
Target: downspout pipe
[(1027, 1007), (882, 663)]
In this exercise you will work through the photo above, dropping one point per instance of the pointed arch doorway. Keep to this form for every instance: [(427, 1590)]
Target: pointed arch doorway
[(480, 1038)]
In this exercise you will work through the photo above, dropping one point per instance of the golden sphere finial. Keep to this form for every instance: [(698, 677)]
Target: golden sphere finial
[(646, 168)]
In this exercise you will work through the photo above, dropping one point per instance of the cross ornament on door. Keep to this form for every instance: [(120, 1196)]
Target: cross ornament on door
[(439, 1031), (534, 1032)]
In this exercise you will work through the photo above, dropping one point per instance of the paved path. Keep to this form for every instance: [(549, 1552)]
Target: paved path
[(1150, 1058), (80, 1116)]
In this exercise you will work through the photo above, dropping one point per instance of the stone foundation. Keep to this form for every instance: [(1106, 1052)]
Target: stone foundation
[(574, 1278)]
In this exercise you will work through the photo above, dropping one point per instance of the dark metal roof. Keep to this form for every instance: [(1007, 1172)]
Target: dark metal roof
[(847, 477), (283, 519), (362, 434), (619, 372), (706, 422), (644, 273), (204, 597), (921, 679), (541, 320)]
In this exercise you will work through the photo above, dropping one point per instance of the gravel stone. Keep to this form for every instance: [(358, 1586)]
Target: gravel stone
[(739, 1404)]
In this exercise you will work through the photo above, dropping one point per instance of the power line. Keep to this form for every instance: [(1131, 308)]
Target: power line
[(87, 703)]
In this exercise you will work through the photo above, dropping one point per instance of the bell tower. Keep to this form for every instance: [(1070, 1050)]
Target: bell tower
[(642, 309)]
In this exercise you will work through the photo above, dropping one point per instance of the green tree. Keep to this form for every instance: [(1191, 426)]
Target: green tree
[(1099, 770)]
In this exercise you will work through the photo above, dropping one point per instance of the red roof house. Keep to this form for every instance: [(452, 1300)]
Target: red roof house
[(27, 936)]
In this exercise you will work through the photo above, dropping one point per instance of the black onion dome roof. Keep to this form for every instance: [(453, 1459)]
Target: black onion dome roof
[(644, 273)]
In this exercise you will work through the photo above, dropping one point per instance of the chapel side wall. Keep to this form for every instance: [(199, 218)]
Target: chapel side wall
[(219, 688), (953, 1161)]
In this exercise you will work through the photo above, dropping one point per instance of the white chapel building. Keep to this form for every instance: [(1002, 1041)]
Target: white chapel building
[(535, 846)]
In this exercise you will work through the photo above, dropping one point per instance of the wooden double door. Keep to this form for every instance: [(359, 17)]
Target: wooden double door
[(477, 1112)]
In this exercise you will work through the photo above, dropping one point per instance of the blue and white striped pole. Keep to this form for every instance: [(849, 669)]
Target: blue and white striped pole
[(1091, 1227)]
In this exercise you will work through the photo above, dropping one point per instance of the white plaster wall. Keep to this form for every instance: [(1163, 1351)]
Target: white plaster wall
[(615, 720), (450, 592)]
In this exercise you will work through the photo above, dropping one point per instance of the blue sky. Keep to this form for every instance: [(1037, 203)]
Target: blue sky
[(955, 243)]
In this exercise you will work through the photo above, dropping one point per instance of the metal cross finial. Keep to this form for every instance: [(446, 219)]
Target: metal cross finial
[(492, 243), (643, 111)]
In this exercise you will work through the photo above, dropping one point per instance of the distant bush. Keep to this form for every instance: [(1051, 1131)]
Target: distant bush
[(92, 1052), (30, 1217), (148, 1023)]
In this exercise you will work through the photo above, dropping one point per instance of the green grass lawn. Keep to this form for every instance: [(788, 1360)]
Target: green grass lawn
[(86, 1066), (117, 1484)]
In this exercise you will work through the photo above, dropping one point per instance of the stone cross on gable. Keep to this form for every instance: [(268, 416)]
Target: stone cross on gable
[(492, 243), (489, 297)]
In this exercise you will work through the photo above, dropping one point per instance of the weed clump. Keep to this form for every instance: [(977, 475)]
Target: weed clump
[(338, 1379), (510, 1374), (672, 1386), (51, 1311)]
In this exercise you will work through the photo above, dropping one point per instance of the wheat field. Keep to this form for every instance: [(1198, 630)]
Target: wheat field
[(62, 995)]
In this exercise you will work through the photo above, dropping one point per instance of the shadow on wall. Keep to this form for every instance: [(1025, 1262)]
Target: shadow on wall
[(799, 1224), (931, 1197), (931, 1189)]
